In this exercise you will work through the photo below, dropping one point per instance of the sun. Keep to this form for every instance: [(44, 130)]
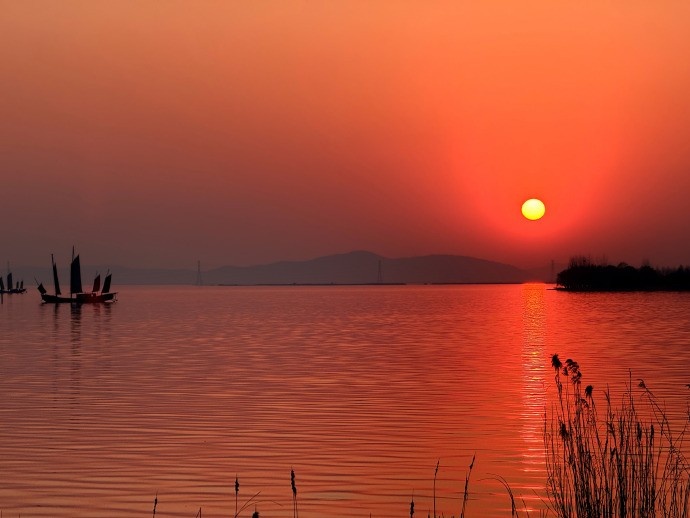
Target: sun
[(533, 209)]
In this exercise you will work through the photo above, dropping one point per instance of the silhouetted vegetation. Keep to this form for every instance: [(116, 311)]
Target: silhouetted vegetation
[(584, 275), (623, 463)]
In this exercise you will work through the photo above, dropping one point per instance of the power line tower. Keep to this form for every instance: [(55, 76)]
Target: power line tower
[(199, 282), (379, 276)]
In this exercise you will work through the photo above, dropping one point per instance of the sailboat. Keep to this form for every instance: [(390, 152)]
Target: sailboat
[(77, 295), (11, 287)]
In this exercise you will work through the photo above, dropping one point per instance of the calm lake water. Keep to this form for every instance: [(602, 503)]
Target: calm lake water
[(173, 391)]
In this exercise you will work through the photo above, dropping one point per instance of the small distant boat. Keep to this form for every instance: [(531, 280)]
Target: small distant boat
[(77, 295), (11, 287)]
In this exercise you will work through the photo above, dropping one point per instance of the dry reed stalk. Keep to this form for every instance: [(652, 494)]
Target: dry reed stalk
[(435, 473), (616, 465), (467, 483), (247, 504), (513, 507)]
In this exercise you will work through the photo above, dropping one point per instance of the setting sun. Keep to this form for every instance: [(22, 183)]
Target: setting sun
[(533, 209)]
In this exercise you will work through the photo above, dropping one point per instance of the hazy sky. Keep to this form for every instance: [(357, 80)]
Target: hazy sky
[(159, 133)]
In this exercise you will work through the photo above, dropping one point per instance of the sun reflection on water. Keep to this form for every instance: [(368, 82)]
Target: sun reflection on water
[(534, 330)]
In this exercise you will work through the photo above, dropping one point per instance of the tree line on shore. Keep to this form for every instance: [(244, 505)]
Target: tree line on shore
[(583, 274)]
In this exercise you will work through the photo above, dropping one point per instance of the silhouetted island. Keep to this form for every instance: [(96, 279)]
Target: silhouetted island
[(583, 275)]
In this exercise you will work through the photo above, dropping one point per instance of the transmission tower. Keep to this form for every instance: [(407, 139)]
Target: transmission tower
[(379, 276), (199, 282)]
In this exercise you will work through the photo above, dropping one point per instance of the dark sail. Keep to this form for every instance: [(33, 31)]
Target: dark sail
[(56, 282), (21, 285), (42, 289), (9, 281), (96, 283), (75, 276), (106, 283), (2, 284)]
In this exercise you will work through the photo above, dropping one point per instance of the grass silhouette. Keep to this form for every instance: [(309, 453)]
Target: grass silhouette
[(624, 463)]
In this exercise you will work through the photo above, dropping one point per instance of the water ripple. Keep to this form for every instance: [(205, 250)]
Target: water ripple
[(174, 391)]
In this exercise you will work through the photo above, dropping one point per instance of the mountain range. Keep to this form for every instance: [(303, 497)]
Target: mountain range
[(359, 267)]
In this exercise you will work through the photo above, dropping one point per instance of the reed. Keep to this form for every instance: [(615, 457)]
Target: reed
[(252, 500), (294, 493), (513, 507), (435, 474), (237, 490), (624, 463), (465, 496), (467, 485)]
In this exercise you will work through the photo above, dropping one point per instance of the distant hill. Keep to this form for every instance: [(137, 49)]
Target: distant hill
[(363, 267), (358, 267)]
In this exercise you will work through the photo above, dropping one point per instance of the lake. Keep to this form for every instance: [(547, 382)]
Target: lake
[(174, 391)]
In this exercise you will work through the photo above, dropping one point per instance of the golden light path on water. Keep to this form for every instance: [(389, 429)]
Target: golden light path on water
[(533, 390)]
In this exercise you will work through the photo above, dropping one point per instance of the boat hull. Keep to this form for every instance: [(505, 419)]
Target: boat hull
[(80, 298)]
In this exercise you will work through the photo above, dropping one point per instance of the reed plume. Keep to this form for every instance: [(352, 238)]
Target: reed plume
[(615, 464), (237, 490), (294, 493)]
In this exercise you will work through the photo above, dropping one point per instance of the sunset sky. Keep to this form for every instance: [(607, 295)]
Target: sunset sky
[(159, 133)]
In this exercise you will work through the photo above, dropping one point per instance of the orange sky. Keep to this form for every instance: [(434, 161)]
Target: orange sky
[(157, 133)]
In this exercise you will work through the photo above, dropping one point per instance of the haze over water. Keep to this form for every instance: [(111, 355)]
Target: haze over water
[(176, 390)]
